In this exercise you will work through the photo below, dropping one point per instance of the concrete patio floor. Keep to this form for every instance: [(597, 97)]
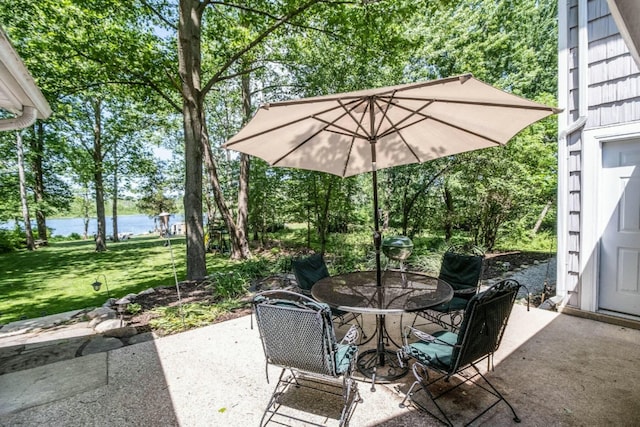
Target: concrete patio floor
[(556, 370)]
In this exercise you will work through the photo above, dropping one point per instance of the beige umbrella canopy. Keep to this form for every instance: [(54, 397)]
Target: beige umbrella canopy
[(355, 132), (410, 123)]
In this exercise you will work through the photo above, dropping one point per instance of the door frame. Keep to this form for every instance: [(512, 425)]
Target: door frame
[(594, 139)]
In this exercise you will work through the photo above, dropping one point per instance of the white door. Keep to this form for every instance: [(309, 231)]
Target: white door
[(619, 217)]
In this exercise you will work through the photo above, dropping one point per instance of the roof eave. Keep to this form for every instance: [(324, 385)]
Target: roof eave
[(18, 86)]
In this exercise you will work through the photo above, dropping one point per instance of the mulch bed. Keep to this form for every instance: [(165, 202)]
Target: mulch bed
[(199, 292)]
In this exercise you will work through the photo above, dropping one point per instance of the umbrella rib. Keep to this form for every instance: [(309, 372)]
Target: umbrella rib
[(397, 130), (477, 103), (386, 109), (275, 162), (350, 113), (346, 164), (412, 113), (323, 129), (292, 122), (428, 117), (346, 131)]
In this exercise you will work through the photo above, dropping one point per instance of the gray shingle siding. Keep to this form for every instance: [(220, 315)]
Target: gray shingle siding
[(613, 97)]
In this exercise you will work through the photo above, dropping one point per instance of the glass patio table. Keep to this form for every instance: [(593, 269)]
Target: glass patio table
[(400, 292)]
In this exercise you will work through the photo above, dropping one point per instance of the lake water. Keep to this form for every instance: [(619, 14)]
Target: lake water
[(136, 224)]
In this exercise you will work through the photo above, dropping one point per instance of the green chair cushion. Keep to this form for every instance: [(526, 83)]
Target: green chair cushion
[(309, 270), (434, 353), (461, 271), (344, 355)]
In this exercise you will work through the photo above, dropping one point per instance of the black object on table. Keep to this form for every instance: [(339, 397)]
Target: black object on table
[(399, 292)]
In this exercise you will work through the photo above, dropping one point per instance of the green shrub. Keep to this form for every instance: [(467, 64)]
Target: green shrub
[(179, 318), (428, 263), (134, 308), (11, 240), (228, 285)]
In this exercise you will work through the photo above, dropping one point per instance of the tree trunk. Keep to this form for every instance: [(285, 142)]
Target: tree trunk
[(245, 166), (189, 59), (544, 212), (85, 213), (101, 236), (448, 215), (114, 208), (23, 192), (238, 250), (37, 150)]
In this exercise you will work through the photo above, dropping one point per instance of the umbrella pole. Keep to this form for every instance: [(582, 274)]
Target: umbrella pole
[(377, 242), (377, 236)]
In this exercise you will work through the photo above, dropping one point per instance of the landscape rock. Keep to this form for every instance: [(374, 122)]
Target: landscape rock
[(109, 302), (102, 313), (30, 356), (107, 325), (148, 291), (123, 332)]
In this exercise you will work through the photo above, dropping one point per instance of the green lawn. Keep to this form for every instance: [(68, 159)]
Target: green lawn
[(58, 278)]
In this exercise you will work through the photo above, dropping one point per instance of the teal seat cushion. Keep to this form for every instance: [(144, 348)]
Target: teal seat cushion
[(344, 355), (436, 353)]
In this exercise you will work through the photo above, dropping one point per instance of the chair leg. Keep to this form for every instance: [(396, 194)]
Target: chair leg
[(498, 395), (351, 397), (420, 386), (273, 405), (409, 394), (422, 383)]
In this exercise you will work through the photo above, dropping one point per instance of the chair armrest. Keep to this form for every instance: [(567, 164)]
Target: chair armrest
[(352, 335), (422, 336)]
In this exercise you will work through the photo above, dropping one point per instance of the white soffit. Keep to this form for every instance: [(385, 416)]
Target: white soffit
[(626, 13), (17, 88)]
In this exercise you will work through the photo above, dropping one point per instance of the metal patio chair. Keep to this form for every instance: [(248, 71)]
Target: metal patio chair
[(297, 335), (451, 354), (308, 271), (461, 268)]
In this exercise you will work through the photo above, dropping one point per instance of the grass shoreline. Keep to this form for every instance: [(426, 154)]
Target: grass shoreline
[(58, 277)]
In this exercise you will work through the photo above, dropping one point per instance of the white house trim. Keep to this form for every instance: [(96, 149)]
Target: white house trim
[(563, 77), (19, 94)]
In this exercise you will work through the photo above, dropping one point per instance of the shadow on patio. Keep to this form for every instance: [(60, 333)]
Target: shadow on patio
[(555, 369)]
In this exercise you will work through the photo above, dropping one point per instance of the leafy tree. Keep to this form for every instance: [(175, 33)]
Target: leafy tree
[(155, 190)]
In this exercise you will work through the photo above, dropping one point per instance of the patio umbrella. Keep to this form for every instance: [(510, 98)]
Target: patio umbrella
[(364, 131)]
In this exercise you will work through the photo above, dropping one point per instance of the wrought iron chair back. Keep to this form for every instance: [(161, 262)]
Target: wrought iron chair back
[(310, 270), (297, 335), (450, 353), (484, 323), (462, 268)]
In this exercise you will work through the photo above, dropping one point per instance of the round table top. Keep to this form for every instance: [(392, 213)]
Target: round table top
[(400, 292)]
